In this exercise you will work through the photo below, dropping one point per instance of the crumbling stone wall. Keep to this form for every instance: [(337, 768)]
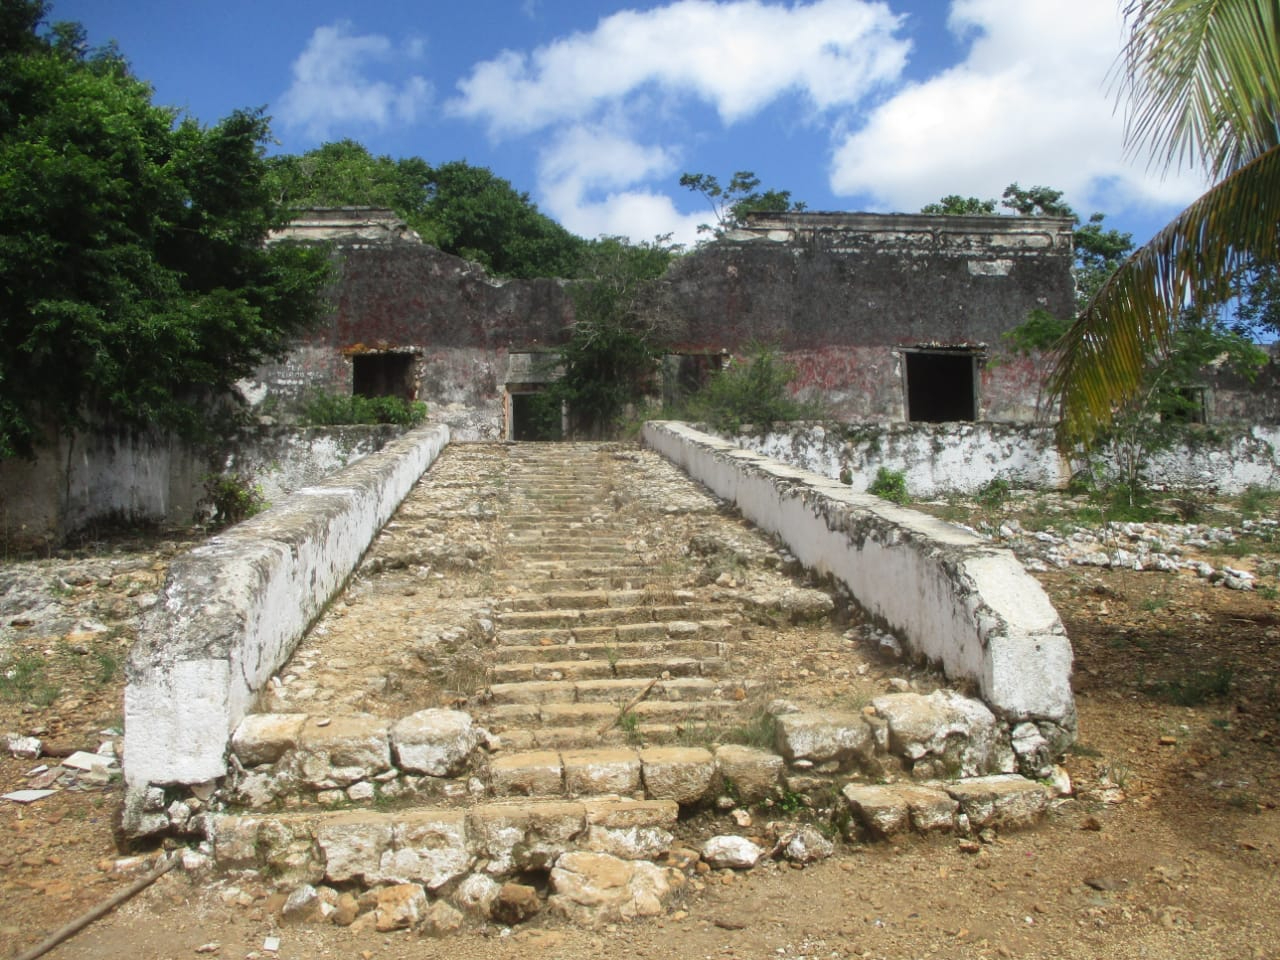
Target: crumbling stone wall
[(843, 295)]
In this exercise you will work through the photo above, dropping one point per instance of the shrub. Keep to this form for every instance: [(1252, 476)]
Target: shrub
[(754, 390), (229, 498), (890, 485), (327, 409)]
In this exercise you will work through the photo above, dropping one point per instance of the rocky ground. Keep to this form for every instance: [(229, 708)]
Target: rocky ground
[(1169, 848)]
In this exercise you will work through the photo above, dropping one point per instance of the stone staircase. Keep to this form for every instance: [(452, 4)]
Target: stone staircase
[(554, 660)]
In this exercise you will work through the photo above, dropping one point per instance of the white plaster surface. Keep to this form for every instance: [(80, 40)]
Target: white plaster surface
[(234, 608), (969, 607)]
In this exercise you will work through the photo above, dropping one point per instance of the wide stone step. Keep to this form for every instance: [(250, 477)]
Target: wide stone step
[(602, 616), (611, 690), (590, 717), (686, 775), (625, 633), (538, 653), (603, 668), (520, 583)]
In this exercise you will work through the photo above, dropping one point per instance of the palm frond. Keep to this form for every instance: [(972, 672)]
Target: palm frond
[(1203, 81), (1101, 359)]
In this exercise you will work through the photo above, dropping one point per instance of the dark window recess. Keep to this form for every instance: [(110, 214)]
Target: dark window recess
[(383, 375), (940, 387), (533, 419), (683, 375), (1188, 406)]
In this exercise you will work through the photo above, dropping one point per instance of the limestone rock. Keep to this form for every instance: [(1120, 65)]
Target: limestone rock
[(686, 775), (886, 810), (823, 737), (1034, 753), (353, 846), (790, 605), (342, 751), (345, 911), (753, 773), (594, 772), (517, 836), (515, 903), (594, 888), (435, 742), (531, 774), (735, 853), (1007, 801), (477, 895), (440, 920), (805, 845), (427, 847), (400, 907), (266, 737), (945, 734), (302, 905)]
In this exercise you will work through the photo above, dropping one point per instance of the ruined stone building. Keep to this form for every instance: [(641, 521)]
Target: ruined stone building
[(886, 318)]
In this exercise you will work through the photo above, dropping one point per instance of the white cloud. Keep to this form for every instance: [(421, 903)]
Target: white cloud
[(1031, 103), (584, 174), (332, 88), (738, 56)]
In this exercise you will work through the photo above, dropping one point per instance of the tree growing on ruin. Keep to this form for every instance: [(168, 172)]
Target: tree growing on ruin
[(740, 196), (136, 281)]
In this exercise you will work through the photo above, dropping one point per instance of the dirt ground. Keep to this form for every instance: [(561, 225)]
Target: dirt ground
[(1170, 847)]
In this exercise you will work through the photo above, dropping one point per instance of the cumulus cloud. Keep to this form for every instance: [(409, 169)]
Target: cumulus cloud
[(738, 57), (332, 88), (584, 176), (1031, 102)]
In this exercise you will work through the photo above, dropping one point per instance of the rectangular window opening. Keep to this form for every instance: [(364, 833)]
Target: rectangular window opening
[(941, 385), (383, 375)]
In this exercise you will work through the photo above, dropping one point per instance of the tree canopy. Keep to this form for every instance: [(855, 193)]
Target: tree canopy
[(1203, 87), (136, 279), (465, 210), (733, 201)]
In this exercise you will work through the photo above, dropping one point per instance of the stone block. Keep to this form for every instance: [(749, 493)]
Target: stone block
[(595, 888), (687, 775), (353, 845), (1007, 801), (266, 737), (524, 836), (630, 829), (401, 907), (754, 773), (342, 751), (536, 773), (886, 810), (823, 737), (438, 743), (594, 772), (731, 852), (945, 734), (428, 847)]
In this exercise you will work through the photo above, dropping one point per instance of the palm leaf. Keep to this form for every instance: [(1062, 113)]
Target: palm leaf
[(1100, 361), (1203, 79)]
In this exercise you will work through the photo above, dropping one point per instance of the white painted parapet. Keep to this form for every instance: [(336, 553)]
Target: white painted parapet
[(233, 610), (952, 598)]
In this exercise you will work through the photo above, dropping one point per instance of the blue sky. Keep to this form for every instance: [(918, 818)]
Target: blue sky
[(596, 107)]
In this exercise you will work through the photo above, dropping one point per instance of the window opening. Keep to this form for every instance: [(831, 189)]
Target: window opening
[(383, 375), (941, 386)]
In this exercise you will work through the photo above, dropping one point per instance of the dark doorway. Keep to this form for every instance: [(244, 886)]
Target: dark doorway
[(383, 375), (684, 374), (941, 386), (533, 418)]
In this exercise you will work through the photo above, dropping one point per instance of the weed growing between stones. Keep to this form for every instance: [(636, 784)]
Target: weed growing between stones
[(890, 485), (24, 679), (229, 498)]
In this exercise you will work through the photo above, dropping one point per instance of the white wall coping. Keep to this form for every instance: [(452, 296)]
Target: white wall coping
[(965, 605), (234, 608)]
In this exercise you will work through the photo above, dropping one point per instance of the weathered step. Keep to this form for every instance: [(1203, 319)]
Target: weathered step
[(603, 668), (589, 599), (540, 653), (686, 775), (519, 582), (591, 717), (611, 690), (603, 616), (650, 632)]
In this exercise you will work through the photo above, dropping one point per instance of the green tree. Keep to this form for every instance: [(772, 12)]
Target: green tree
[(480, 216), (344, 173), (609, 361), (136, 281), (742, 195), (1098, 251), (954, 205), (1203, 86)]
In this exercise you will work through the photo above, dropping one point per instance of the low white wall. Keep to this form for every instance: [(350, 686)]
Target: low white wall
[(968, 607), (234, 608), (940, 458)]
